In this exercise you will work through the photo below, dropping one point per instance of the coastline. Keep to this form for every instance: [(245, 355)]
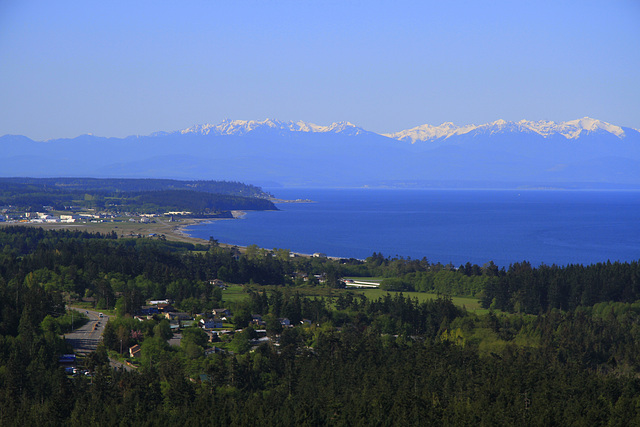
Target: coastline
[(180, 232), (175, 231)]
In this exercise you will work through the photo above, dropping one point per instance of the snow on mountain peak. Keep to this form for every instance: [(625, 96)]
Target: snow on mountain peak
[(570, 130), (575, 127), (428, 133), (242, 127)]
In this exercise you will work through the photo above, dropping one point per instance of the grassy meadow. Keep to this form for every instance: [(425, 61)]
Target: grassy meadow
[(236, 293)]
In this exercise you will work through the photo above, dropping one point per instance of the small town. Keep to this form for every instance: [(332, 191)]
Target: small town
[(50, 216)]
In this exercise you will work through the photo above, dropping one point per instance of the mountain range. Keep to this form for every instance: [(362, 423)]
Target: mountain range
[(583, 153)]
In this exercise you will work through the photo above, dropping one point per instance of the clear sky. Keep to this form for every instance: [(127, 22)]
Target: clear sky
[(117, 68)]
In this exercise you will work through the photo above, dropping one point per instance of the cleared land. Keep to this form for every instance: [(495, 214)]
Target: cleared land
[(235, 293), (471, 304)]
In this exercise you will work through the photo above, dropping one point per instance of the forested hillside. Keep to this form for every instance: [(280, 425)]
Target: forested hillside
[(145, 196), (347, 359), (133, 185)]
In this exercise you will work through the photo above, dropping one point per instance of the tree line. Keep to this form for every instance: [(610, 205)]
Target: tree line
[(147, 196), (390, 360), (84, 263)]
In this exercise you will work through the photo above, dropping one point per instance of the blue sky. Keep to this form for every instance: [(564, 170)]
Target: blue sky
[(119, 68)]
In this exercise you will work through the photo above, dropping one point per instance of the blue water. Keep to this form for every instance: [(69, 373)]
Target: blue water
[(458, 226)]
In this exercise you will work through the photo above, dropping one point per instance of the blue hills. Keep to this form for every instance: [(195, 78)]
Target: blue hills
[(584, 153)]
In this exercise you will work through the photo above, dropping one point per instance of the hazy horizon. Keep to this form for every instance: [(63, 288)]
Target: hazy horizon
[(123, 68)]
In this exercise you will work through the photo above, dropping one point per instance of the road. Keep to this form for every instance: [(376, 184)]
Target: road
[(85, 339)]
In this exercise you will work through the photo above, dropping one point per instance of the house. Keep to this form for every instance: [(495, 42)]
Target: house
[(159, 301), (69, 218), (211, 323), (148, 310), (173, 315), (284, 321), (213, 336), (135, 351), (219, 283), (299, 275), (256, 319), (165, 308), (221, 312)]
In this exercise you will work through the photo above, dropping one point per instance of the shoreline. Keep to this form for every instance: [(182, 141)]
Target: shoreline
[(180, 230), (175, 231)]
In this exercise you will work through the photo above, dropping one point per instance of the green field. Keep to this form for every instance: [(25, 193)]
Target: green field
[(471, 304), (236, 293)]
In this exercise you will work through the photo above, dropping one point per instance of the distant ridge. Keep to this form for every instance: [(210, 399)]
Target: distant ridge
[(570, 129), (242, 127), (582, 153)]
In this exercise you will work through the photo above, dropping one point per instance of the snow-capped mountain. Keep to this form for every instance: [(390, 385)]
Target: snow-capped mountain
[(583, 153), (571, 129), (243, 127), (430, 133)]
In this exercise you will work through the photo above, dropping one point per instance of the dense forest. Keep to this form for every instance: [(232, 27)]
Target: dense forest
[(130, 195), (556, 345), (112, 185)]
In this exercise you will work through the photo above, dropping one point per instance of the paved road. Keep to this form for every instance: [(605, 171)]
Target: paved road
[(85, 339)]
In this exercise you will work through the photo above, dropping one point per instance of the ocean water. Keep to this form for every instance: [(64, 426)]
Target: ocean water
[(446, 226)]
